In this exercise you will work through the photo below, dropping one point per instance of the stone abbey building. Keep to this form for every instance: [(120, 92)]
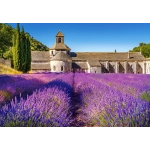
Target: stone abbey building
[(59, 58)]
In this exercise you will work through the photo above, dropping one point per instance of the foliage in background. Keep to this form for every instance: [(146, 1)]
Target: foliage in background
[(6, 33), (6, 41), (144, 48)]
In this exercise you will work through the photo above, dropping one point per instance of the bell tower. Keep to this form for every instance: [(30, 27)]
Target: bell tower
[(59, 38)]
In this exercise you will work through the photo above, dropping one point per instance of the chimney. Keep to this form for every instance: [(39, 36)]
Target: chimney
[(128, 55)]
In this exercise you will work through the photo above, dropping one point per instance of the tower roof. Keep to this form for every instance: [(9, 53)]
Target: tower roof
[(60, 46), (61, 56), (59, 34)]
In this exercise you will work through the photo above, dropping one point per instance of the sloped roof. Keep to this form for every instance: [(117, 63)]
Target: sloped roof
[(59, 34), (60, 46), (94, 63), (79, 65), (40, 66), (106, 56), (40, 56), (61, 56)]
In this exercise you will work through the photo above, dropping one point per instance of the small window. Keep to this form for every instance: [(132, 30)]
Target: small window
[(61, 68), (52, 52), (59, 40), (54, 68)]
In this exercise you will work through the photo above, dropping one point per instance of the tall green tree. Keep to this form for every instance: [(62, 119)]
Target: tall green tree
[(28, 54), (17, 49), (21, 51)]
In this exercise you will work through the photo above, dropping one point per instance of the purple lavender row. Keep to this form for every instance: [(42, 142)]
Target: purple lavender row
[(13, 85), (102, 105), (48, 106), (134, 85)]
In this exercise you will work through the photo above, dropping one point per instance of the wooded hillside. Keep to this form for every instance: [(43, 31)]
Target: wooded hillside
[(144, 48), (6, 35)]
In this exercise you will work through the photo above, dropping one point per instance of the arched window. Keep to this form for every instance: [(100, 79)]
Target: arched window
[(61, 68), (54, 68), (59, 40)]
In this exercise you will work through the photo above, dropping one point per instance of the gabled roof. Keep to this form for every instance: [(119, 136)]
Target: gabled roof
[(103, 56), (61, 56), (94, 63), (59, 34), (41, 56), (79, 65), (40, 66), (147, 58), (60, 46)]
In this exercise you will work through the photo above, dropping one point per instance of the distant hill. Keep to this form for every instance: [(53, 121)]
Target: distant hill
[(144, 48), (6, 34), (37, 46)]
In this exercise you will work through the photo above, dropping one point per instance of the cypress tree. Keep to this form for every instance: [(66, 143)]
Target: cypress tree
[(13, 51), (28, 60), (17, 49), (26, 54), (23, 51)]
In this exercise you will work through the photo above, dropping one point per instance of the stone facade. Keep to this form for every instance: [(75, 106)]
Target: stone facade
[(148, 66), (60, 59)]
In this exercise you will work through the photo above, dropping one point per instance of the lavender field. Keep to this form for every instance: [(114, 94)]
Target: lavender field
[(75, 99)]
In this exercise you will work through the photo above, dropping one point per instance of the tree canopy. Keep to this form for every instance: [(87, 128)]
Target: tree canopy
[(6, 33), (21, 50), (6, 41), (144, 48)]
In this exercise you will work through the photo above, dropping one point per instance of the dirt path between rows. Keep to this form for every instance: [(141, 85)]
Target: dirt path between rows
[(76, 108)]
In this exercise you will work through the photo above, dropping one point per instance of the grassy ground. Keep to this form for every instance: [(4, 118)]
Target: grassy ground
[(6, 70)]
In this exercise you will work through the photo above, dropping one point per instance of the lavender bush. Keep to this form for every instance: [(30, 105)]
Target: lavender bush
[(48, 106), (14, 85), (104, 104), (79, 99)]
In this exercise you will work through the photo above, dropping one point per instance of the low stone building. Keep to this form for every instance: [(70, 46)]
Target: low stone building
[(59, 58), (147, 65)]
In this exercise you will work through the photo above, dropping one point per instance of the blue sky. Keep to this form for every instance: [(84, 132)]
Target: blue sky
[(91, 37)]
